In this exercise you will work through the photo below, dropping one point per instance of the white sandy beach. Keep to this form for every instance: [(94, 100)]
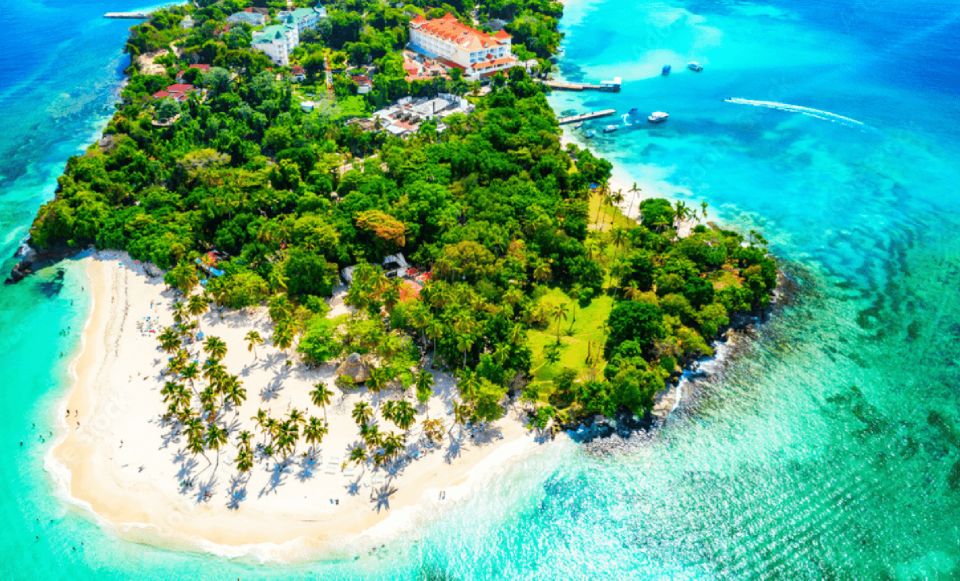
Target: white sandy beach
[(115, 459)]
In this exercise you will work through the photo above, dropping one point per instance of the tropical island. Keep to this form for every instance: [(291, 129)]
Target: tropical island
[(345, 271)]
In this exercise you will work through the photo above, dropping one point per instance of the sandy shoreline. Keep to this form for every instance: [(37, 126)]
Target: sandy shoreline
[(114, 459)]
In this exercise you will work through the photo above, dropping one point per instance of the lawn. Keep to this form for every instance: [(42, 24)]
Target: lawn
[(610, 215), (578, 337)]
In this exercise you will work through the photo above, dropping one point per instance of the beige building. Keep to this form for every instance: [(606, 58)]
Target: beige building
[(455, 44)]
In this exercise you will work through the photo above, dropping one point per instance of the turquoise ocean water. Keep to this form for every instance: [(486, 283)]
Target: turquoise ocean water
[(830, 449)]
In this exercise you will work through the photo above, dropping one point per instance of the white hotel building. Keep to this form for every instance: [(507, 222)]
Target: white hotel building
[(447, 39)]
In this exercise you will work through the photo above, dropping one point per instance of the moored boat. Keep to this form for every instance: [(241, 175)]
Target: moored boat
[(658, 117), (666, 70), (610, 128), (694, 66)]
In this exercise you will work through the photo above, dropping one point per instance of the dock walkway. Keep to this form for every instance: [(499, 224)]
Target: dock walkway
[(139, 15), (586, 116), (608, 86)]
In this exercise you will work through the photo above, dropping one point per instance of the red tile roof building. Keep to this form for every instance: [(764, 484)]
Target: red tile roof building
[(179, 92), (452, 42)]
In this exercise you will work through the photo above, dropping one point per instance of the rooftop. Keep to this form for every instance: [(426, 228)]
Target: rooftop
[(452, 30), (270, 33)]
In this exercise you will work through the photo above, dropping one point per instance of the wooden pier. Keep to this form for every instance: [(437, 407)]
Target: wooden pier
[(586, 116), (607, 86), (140, 15)]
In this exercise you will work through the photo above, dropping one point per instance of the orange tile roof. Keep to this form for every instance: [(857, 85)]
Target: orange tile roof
[(452, 30)]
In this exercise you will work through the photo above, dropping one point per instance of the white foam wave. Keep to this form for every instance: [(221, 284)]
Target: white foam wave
[(787, 107)]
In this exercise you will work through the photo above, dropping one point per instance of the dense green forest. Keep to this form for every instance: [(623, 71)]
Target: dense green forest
[(493, 207)]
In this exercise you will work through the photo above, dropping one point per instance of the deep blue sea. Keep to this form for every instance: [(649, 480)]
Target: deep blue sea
[(829, 448)]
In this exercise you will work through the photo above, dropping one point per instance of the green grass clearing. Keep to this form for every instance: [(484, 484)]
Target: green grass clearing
[(577, 337)]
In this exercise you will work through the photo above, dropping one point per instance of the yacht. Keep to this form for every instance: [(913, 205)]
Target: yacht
[(610, 128), (658, 117), (695, 66)]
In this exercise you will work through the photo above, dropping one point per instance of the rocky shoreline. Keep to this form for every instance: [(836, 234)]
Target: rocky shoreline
[(606, 436), (30, 260)]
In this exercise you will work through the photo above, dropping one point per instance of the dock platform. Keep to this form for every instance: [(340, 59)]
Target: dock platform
[(586, 116), (139, 15), (612, 86)]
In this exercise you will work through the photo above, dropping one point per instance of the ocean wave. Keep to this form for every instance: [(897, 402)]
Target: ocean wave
[(808, 111)]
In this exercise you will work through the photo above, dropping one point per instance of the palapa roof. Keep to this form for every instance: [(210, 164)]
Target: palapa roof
[(355, 368)]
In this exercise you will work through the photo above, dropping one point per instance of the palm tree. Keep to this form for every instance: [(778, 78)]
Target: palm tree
[(288, 432), (618, 236), (215, 348), (358, 455), (283, 337), (253, 339), (314, 431), (244, 453), (616, 198), (213, 370), (576, 291), (197, 305), (362, 413), (190, 372), (321, 396), (233, 391), (703, 209), (433, 429), (424, 384), (179, 312), (195, 436), (169, 340), (216, 438), (379, 378), (461, 414), (558, 313), (682, 211), (371, 435), (634, 190), (434, 331), (297, 418), (261, 419), (404, 415), (388, 408), (392, 445), (632, 291)]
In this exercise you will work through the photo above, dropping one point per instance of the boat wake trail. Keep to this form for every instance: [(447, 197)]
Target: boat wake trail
[(808, 111)]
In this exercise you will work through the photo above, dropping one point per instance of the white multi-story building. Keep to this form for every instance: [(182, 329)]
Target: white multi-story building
[(447, 39), (277, 42), (303, 18)]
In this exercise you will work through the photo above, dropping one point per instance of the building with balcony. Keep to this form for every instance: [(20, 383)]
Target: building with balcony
[(455, 44)]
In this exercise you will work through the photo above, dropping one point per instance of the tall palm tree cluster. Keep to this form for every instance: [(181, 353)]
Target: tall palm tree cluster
[(198, 395), (381, 447), (199, 391)]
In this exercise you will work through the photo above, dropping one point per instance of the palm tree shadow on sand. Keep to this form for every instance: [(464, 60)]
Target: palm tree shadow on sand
[(238, 491), (277, 477), (308, 465), (381, 496)]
